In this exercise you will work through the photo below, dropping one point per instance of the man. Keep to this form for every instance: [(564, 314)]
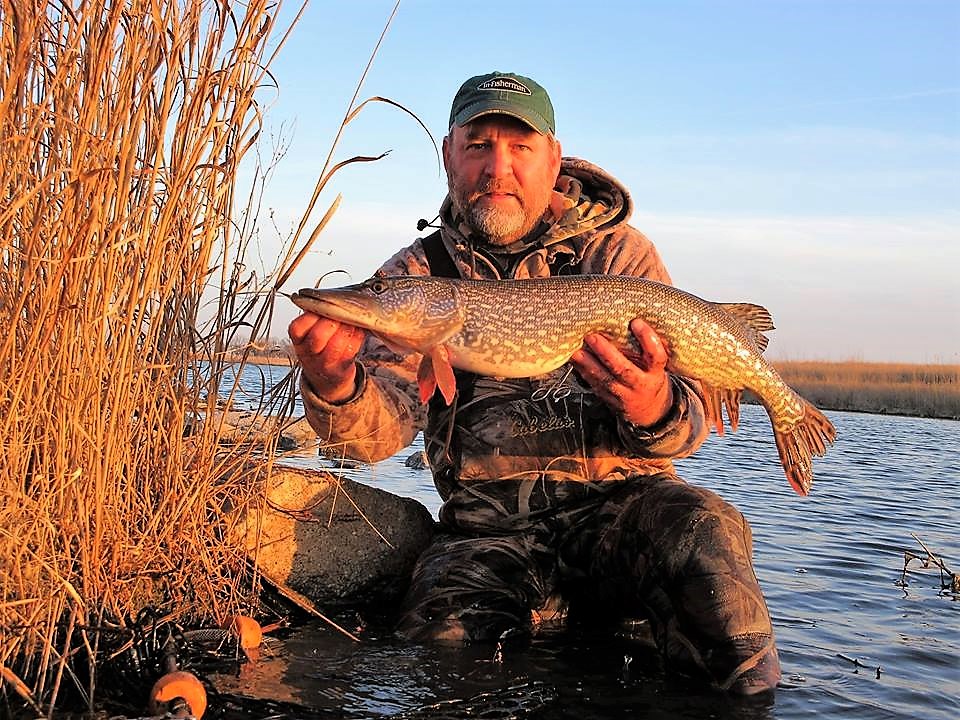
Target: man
[(560, 497)]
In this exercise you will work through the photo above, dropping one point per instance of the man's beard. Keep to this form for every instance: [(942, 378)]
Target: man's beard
[(500, 225)]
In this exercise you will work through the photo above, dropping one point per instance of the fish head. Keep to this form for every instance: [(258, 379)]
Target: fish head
[(408, 312)]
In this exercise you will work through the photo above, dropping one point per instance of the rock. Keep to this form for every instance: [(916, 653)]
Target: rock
[(286, 444), (417, 461), (245, 427), (298, 433), (338, 542), (341, 463), (237, 427)]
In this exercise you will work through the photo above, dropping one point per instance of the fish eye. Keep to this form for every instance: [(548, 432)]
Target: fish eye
[(378, 285)]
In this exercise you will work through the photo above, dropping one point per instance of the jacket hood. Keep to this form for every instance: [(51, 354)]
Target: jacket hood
[(586, 199)]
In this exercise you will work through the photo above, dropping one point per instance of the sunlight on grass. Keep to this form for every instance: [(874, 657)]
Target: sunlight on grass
[(122, 126), (889, 388)]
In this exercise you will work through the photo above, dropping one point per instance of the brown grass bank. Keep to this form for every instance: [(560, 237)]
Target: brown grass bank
[(918, 390)]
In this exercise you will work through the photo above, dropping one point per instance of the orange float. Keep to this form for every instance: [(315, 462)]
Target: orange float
[(178, 693), (246, 630)]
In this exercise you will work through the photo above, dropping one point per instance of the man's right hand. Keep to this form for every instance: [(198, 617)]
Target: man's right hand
[(327, 351)]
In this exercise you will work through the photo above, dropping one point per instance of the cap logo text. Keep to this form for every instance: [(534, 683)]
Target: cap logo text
[(502, 83)]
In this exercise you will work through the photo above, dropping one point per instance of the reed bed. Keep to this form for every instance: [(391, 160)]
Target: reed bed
[(921, 390), (122, 125)]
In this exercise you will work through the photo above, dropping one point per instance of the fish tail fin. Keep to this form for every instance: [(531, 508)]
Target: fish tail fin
[(796, 446), (715, 400)]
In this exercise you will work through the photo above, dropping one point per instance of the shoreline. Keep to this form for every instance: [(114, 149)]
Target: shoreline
[(925, 390)]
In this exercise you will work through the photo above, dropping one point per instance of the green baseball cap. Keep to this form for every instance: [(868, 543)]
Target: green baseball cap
[(507, 94)]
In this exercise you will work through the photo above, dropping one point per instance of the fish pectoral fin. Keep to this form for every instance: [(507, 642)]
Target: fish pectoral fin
[(443, 371), (436, 371), (426, 380)]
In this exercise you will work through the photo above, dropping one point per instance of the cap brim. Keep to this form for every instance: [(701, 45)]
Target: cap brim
[(476, 110)]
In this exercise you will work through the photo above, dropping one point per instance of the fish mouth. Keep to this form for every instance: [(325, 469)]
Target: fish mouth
[(344, 305)]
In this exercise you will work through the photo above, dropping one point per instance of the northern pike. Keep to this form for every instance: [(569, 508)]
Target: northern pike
[(524, 328)]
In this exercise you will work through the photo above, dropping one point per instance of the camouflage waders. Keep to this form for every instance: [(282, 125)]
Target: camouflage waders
[(652, 547)]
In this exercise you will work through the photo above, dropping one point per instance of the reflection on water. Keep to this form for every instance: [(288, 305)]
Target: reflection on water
[(853, 643)]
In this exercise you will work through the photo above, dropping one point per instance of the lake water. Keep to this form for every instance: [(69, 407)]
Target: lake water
[(853, 641)]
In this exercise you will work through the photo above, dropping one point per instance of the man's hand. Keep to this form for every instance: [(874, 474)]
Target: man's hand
[(641, 392), (327, 350)]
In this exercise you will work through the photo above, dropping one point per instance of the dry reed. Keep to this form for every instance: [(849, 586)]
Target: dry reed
[(923, 390), (122, 125)]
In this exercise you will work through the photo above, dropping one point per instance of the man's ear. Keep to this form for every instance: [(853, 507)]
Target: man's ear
[(445, 149)]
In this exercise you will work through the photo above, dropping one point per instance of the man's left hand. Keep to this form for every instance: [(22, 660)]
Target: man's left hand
[(637, 388)]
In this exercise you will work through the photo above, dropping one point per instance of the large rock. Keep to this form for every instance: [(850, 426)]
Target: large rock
[(247, 427), (338, 542)]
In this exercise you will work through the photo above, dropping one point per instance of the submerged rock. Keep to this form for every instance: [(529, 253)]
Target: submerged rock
[(247, 427), (338, 542), (298, 433), (417, 461)]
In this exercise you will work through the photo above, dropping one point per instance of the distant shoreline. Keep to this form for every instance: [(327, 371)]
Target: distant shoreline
[(264, 359), (915, 390)]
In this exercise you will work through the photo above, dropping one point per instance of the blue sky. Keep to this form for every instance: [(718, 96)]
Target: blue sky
[(801, 154)]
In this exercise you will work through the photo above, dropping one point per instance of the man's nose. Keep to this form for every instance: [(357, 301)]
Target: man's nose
[(499, 162)]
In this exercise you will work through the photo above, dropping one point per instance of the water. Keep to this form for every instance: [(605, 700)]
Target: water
[(829, 564)]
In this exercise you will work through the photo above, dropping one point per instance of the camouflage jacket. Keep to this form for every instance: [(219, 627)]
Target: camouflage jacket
[(508, 451)]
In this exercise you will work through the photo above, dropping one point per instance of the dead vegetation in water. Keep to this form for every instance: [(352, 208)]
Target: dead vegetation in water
[(949, 580)]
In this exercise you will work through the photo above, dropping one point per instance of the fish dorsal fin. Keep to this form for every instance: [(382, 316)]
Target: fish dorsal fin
[(755, 320)]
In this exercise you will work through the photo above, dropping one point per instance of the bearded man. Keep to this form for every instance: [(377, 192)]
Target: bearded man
[(560, 498)]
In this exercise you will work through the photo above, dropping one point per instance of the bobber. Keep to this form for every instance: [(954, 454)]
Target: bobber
[(247, 631), (180, 694)]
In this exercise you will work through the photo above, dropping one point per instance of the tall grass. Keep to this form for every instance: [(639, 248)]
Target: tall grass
[(924, 390), (122, 125)]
